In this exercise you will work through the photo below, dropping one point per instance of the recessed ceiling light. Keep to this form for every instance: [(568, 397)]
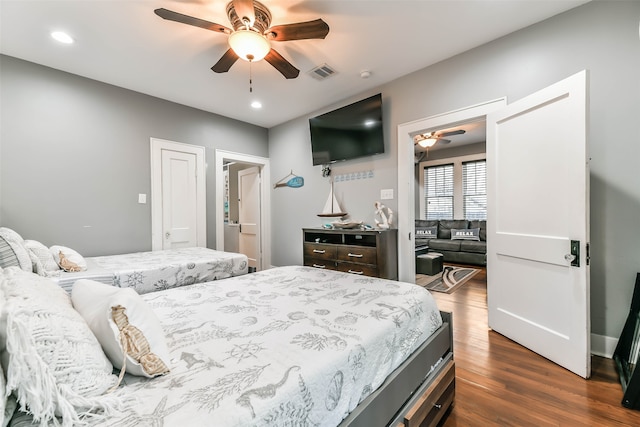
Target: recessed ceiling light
[(256, 105), (62, 37)]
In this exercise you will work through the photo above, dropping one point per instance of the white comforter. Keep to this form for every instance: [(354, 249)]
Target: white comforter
[(158, 270), (292, 346)]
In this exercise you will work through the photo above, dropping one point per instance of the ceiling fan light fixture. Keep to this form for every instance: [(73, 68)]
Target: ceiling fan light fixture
[(427, 142), (249, 45)]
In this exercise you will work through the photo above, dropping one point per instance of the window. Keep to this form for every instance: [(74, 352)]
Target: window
[(438, 184), (453, 188), (474, 189)]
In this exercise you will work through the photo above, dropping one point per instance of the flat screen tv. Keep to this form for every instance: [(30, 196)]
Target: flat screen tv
[(349, 132)]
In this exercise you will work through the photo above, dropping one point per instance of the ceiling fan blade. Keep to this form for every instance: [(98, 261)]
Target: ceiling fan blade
[(190, 20), (453, 132), (245, 11), (317, 29), (228, 59), (281, 64), (443, 141)]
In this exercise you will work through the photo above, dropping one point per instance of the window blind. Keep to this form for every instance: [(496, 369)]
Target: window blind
[(474, 189), (438, 184)]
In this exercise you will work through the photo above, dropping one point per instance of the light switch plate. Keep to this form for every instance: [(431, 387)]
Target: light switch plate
[(386, 194), (142, 198)]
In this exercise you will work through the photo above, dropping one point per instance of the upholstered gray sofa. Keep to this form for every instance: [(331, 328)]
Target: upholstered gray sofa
[(468, 245)]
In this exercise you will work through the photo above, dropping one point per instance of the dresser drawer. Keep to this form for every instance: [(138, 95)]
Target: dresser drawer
[(359, 254), (436, 399), (361, 269), (319, 251), (320, 263)]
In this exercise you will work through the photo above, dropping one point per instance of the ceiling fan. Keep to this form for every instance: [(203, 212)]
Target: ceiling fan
[(252, 34), (428, 139)]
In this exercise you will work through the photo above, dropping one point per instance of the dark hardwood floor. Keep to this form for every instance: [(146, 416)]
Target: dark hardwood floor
[(500, 383)]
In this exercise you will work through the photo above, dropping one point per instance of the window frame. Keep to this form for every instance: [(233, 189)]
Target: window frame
[(458, 195)]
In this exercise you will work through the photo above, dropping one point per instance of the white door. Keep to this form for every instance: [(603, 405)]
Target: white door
[(538, 203), (178, 195), (179, 201), (249, 215)]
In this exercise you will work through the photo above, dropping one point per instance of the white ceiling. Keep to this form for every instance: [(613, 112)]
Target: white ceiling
[(124, 43)]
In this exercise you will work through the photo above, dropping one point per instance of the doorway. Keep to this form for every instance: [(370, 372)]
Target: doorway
[(254, 237), (406, 174)]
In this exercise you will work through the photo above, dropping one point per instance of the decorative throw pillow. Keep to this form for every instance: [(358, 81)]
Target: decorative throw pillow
[(54, 364), (72, 257), (465, 234), (14, 240), (8, 257), (46, 261), (427, 232), (122, 321)]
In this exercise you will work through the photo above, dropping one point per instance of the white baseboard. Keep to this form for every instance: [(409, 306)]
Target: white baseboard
[(602, 345)]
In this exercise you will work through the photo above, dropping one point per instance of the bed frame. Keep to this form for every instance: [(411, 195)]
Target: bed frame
[(412, 395)]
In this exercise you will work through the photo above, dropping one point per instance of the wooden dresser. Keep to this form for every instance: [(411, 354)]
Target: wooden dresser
[(371, 252)]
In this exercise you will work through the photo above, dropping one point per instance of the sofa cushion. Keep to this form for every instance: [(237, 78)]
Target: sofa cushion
[(482, 225), (445, 226), (444, 245), (473, 246)]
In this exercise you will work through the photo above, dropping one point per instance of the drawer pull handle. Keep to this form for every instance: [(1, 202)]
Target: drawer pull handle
[(355, 255), (437, 406), (319, 266), (356, 272), (318, 251)]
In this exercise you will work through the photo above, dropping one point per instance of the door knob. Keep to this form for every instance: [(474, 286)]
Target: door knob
[(167, 235), (569, 257)]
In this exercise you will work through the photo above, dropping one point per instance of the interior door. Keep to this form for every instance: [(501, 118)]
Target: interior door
[(179, 200), (249, 215), (538, 210)]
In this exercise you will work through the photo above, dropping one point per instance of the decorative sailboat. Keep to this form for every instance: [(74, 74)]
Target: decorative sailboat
[(332, 208)]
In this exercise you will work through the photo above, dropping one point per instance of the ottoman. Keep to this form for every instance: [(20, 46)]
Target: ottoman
[(429, 263)]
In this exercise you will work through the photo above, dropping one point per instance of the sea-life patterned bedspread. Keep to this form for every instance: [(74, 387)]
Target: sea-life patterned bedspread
[(158, 270), (293, 346)]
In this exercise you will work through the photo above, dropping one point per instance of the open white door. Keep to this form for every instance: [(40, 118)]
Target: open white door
[(249, 215), (538, 206)]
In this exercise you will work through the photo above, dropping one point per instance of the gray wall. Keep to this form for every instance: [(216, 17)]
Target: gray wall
[(75, 153), (599, 36)]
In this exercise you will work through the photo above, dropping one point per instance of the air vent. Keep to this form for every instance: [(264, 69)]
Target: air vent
[(322, 72)]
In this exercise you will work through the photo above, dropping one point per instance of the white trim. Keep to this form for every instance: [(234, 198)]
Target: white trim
[(406, 178), (602, 345), (265, 197), (458, 195), (157, 145)]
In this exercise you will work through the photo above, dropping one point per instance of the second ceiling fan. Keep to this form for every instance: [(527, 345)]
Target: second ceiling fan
[(428, 139), (252, 34)]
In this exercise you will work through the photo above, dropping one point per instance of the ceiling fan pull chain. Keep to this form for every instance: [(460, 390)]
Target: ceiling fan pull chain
[(250, 78)]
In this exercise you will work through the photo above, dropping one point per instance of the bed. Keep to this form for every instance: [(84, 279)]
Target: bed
[(157, 270), (294, 346), (142, 271)]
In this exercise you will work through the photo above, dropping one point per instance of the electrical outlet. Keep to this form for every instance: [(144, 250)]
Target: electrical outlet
[(386, 194), (142, 198)]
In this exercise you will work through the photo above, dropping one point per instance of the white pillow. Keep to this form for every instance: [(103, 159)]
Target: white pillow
[(11, 234), (54, 364), (107, 310), (15, 242), (70, 254), (45, 261)]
